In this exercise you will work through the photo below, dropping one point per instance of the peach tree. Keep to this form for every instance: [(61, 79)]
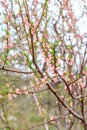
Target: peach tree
[(43, 45)]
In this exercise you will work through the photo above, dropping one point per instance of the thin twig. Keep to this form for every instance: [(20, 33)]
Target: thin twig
[(17, 71)]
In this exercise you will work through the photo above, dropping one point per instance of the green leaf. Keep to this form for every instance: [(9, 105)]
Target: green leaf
[(70, 56), (8, 33), (7, 128), (45, 13), (5, 91), (52, 62), (69, 46), (52, 51), (58, 42), (59, 65), (5, 28), (29, 64), (85, 68), (16, 129), (26, 56), (7, 63), (43, 39), (3, 57), (16, 0)]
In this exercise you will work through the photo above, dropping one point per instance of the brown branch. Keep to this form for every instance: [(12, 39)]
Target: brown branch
[(24, 24), (67, 85), (41, 15), (29, 92), (2, 120), (33, 54), (64, 104), (5, 116), (39, 91), (6, 54), (62, 116), (51, 88), (80, 76), (16, 71)]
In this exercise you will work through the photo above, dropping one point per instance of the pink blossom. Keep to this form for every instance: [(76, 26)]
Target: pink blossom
[(65, 87), (44, 80), (35, 25), (65, 4), (82, 85), (71, 61), (28, 24), (55, 80), (25, 92), (8, 58), (62, 97), (57, 69), (5, 42), (45, 35), (25, 19), (49, 1), (53, 117), (85, 72), (4, 73), (40, 39), (34, 13), (35, 3), (8, 37), (41, 86), (33, 31), (70, 87), (1, 96), (24, 88), (14, 95), (18, 91), (35, 0), (67, 99), (75, 93), (9, 96), (4, 48)]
